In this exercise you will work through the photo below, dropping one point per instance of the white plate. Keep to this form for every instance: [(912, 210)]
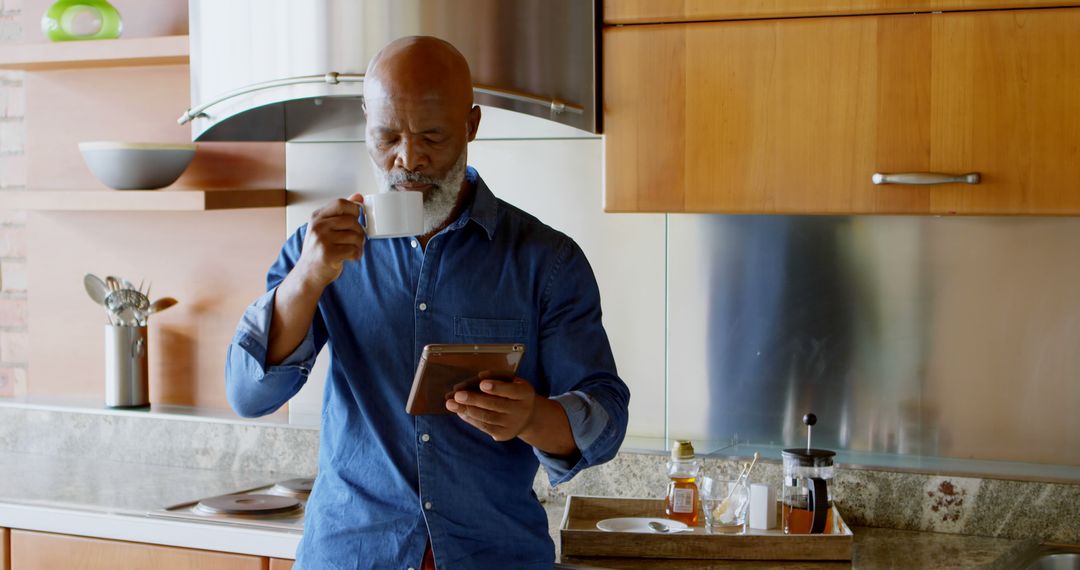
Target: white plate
[(636, 524)]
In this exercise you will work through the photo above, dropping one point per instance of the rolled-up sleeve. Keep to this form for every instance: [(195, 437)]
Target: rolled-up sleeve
[(579, 366), (253, 389)]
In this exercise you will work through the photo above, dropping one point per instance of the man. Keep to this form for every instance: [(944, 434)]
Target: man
[(455, 490)]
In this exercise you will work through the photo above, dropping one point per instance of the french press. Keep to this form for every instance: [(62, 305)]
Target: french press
[(807, 499)]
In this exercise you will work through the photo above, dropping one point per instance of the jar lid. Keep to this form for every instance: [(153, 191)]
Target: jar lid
[(810, 457), (682, 450)]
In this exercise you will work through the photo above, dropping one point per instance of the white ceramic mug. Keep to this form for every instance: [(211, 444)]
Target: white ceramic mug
[(394, 214)]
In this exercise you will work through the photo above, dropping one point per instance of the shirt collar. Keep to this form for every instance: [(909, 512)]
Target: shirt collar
[(484, 209)]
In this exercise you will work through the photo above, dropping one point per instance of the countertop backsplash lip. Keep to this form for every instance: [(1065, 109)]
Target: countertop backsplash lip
[(159, 440), (67, 404), (888, 499)]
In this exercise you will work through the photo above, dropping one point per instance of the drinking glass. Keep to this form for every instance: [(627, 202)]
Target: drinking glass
[(724, 504)]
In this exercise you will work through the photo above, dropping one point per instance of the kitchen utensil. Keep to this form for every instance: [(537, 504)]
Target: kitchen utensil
[(665, 527), (136, 166), (744, 476), (112, 282), (127, 305), (126, 378), (806, 497), (96, 288), (637, 524), (160, 305)]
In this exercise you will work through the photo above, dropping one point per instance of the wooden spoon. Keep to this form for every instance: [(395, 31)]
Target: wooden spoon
[(160, 305)]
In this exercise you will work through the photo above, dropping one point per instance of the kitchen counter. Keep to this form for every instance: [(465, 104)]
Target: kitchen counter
[(110, 499)]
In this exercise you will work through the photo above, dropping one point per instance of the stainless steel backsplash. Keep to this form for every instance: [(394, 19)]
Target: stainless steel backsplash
[(953, 337)]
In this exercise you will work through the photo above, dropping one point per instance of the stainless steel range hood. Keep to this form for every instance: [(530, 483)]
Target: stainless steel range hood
[(250, 59)]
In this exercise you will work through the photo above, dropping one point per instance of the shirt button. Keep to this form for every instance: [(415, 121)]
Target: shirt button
[(427, 506), (413, 244), (425, 438), (423, 306)]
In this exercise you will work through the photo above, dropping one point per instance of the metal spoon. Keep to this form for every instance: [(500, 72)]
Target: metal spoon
[(663, 528), (126, 304), (96, 288)]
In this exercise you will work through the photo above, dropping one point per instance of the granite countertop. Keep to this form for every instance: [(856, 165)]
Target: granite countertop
[(125, 492), (106, 499), (115, 487)]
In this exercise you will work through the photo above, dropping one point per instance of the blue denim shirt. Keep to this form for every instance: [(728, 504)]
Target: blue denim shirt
[(388, 480)]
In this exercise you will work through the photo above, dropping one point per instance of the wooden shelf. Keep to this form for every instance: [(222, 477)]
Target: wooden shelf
[(95, 53), (140, 200)]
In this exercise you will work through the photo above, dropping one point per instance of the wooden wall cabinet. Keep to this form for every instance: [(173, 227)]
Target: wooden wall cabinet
[(43, 551), (796, 115), (655, 11)]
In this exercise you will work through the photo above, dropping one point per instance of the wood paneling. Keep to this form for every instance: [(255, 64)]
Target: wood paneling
[(1006, 103), (281, 564), (214, 263), (794, 116), (111, 53), (42, 551), (141, 200), (645, 119), (130, 104), (5, 549), (764, 116), (646, 11)]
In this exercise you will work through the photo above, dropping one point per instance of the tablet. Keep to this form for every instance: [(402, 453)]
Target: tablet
[(447, 368)]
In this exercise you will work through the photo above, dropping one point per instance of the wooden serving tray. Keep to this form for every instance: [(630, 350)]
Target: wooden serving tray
[(580, 537)]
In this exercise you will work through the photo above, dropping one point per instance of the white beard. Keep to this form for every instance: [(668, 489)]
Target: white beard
[(439, 201)]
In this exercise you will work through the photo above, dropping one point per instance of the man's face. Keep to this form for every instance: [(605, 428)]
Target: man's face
[(420, 145), (415, 141)]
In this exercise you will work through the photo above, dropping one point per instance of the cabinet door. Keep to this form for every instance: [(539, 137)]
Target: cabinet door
[(647, 11), (5, 550), (772, 116), (281, 564), (1006, 103), (43, 551)]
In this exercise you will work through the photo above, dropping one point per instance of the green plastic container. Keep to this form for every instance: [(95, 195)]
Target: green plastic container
[(69, 20)]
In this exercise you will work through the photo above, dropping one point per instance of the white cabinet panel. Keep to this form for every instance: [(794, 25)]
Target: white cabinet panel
[(559, 181)]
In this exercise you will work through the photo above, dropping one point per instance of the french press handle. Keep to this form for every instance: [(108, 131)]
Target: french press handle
[(819, 504)]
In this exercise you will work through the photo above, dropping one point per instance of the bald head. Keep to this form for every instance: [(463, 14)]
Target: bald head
[(420, 68), (420, 118)]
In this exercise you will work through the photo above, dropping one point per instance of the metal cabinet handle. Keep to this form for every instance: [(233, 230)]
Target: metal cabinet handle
[(925, 178)]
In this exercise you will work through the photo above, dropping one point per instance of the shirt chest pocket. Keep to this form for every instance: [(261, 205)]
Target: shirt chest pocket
[(470, 327)]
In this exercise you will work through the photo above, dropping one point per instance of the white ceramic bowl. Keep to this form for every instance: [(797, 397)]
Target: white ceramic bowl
[(136, 166)]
